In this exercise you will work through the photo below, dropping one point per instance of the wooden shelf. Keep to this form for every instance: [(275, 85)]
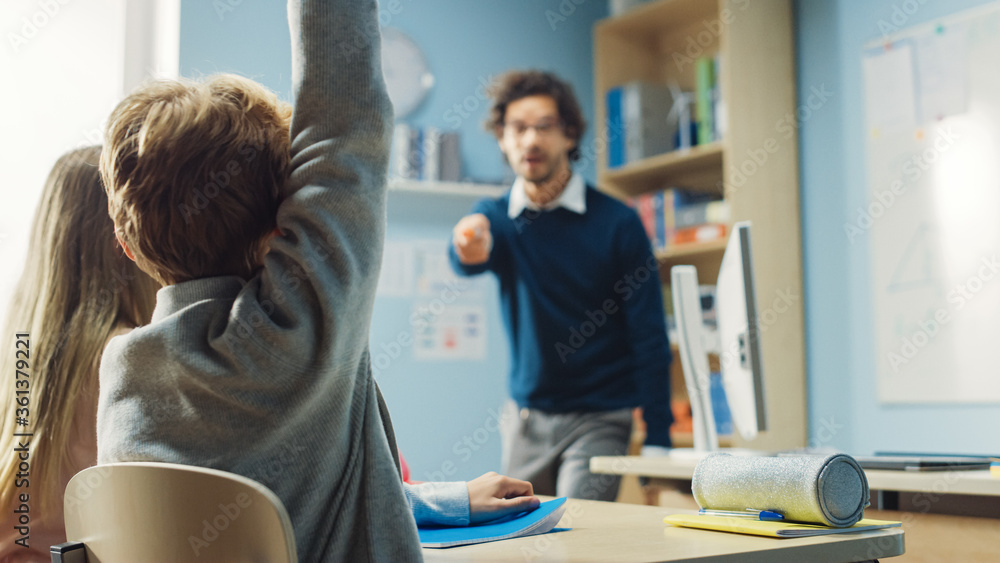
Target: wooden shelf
[(658, 43), (705, 256), (686, 440), (698, 168), (460, 189), (651, 19)]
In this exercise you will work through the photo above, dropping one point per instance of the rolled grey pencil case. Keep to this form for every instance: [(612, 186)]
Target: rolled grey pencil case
[(830, 490)]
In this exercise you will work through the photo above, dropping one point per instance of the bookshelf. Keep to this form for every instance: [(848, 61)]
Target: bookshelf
[(658, 42), (698, 168)]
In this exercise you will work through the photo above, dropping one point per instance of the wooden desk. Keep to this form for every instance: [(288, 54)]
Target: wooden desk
[(607, 531), (978, 482), (930, 536)]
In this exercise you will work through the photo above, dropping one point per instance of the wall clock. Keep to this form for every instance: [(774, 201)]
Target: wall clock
[(405, 69)]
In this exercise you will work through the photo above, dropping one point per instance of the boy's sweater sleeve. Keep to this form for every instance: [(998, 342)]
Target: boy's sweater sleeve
[(318, 282), (442, 504)]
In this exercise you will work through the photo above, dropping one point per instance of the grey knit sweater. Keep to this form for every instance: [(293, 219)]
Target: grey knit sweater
[(270, 377)]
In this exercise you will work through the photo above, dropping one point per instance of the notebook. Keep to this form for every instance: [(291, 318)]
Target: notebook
[(922, 463), (539, 521), (771, 529)]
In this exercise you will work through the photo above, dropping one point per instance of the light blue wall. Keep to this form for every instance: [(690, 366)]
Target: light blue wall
[(844, 410), (466, 42), (443, 412)]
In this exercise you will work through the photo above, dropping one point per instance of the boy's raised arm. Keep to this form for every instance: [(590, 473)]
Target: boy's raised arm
[(332, 219), (339, 94)]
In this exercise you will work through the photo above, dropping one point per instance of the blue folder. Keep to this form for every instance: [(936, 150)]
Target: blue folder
[(539, 521)]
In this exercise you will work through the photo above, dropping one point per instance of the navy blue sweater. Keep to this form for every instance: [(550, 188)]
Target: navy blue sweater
[(581, 301)]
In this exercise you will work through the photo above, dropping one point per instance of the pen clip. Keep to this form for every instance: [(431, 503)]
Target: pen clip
[(763, 515)]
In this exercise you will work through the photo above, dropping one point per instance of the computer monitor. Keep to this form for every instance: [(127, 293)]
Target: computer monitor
[(739, 336)]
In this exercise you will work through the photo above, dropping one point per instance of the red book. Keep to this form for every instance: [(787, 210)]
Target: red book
[(699, 233), (647, 213)]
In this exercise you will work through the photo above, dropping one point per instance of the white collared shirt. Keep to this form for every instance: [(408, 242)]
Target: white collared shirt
[(573, 197)]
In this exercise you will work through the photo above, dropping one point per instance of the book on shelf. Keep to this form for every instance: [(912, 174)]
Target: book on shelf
[(641, 113), (676, 216), (719, 112), (700, 233), (539, 521), (428, 154), (716, 211), (704, 113), (647, 214), (710, 108), (616, 137), (782, 529)]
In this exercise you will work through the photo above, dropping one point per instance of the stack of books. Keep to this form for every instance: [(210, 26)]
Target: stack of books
[(646, 119), (676, 216), (428, 154)]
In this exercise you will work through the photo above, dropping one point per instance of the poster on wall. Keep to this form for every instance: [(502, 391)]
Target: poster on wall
[(456, 332), (932, 216)]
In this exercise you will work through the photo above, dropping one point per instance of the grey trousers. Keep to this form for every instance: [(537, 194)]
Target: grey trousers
[(553, 451)]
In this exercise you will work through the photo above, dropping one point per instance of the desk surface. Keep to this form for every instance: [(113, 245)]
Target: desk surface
[(607, 531), (978, 482)]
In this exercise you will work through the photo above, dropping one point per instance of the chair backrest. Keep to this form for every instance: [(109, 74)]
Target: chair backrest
[(163, 512)]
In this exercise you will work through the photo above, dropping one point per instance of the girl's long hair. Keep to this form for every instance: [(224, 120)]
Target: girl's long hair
[(77, 287)]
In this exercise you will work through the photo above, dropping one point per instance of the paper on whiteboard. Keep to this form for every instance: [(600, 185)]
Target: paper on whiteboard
[(943, 73), (889, 90)]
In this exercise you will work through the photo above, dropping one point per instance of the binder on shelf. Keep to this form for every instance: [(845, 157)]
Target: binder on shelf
[(616, 134), (645, 111), (451, 157), (639, 122)]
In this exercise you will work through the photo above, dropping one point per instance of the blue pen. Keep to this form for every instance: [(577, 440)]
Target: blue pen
[(764, 515)]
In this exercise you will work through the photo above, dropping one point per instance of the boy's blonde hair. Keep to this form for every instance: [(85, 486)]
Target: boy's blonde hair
[(193, 172)]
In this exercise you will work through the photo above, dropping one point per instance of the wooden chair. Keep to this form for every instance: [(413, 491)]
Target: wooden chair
[(163, 512)]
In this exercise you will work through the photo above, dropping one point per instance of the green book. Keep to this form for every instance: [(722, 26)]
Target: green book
[(704, 110)]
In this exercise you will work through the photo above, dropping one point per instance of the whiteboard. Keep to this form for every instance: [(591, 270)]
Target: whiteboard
[(932, 216)]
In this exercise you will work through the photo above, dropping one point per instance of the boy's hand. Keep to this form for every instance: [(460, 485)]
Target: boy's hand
[(493, 496), (472, 239)]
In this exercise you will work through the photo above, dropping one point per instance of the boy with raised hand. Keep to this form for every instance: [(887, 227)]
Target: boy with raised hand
[(268, 243)]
